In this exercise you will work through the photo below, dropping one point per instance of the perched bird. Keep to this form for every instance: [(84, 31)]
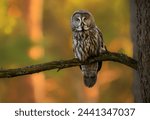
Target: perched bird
[(87, 42)]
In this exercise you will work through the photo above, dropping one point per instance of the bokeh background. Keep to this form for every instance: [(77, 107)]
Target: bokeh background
[(38, 31)]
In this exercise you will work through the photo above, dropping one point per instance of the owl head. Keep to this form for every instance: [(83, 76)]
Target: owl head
[(82, 20)]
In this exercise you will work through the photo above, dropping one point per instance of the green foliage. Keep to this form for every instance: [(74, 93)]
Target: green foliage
[(13, 49), (7, 22)]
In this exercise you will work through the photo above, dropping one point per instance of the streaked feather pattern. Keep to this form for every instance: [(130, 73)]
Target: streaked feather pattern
[(87, 43)]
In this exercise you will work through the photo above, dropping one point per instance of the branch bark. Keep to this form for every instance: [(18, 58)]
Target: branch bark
[(108, 56)]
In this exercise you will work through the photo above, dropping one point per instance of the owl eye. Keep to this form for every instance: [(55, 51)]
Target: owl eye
[(85, 18), (77, 19)]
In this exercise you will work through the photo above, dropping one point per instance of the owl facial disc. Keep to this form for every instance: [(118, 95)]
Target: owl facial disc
[(82, 24)]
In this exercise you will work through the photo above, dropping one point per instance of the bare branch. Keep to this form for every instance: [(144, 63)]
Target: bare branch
[(108, 56)]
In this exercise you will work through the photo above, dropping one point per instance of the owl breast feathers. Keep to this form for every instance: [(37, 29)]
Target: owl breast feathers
[(87, 42)]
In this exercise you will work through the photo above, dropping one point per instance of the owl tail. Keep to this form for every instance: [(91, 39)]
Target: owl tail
[(90, 73), (90, 81)]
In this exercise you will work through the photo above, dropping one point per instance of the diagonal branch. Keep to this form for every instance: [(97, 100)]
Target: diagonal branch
[(108, 56)]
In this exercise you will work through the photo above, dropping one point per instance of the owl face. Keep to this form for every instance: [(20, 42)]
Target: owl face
[(82, 21)]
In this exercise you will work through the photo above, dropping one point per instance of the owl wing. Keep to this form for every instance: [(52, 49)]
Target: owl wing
[(102, 47)]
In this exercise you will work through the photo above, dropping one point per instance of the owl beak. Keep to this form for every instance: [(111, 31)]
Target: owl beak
[(82, 24)]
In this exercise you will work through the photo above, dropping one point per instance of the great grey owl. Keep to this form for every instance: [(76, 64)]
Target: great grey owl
[(87, 42)]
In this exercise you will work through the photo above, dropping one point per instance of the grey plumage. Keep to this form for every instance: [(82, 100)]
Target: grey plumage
[(87, 42)]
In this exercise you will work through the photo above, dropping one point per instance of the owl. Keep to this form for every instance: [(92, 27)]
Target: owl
[(87, 43)]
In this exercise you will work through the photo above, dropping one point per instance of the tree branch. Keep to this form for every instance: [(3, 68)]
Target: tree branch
[(108, 56)]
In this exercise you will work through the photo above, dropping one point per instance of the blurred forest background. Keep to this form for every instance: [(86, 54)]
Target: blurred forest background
[(38, 31)]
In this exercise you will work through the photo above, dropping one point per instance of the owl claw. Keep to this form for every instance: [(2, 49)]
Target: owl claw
[(103, 50)]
